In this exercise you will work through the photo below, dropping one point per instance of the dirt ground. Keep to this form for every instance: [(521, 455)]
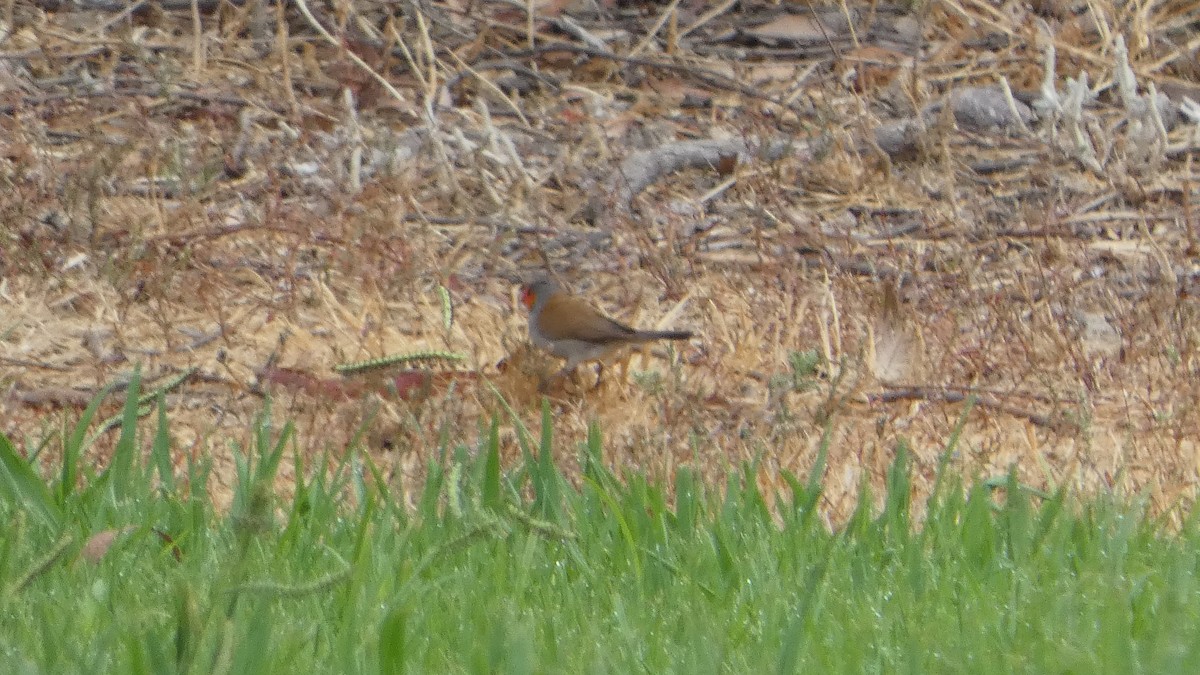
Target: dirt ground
[(263, 193)]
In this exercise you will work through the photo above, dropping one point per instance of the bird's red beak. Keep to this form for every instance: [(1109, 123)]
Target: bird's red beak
[(527, 297)]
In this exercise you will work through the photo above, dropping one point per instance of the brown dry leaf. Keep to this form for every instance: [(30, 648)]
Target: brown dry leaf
[(897, 345), (99, 544)]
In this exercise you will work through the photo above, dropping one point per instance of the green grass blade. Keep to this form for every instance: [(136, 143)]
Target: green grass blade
[(73, 446), (20, 484), (491, 470), (812, 491), (548, 502), (122, 467), (391, 642), (688, 494), (160, 451)]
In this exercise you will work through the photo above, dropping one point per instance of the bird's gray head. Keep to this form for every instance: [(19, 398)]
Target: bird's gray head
[(535, 293)]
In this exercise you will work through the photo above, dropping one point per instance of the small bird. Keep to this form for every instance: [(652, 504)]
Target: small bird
[(570, 328)]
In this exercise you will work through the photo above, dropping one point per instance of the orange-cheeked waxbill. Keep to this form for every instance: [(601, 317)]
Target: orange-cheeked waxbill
[(569, 327)]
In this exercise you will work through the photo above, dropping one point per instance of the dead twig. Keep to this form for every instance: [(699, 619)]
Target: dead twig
[(642, 169), (703, 75), (949, 396), (167, 97), (124, 6)]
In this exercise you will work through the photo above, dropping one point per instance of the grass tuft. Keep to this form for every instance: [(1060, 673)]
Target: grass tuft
[(520, 570)]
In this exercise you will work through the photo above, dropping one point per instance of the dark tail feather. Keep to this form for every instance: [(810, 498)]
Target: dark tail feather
[(664, 335)]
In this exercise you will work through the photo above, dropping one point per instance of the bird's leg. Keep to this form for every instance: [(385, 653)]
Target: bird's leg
[(599, 375)]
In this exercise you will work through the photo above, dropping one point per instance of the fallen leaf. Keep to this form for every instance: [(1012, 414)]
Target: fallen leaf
[(897, 342), (98, 544)]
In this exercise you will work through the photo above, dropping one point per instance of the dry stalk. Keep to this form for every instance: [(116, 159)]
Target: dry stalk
[(197, 42), (530, 30), (706, 17), (355, 58), (1189, 222), (503, 150), (565, 24), (429, 83), (1012, 107), (706, 76), (112, 21), (352, 130), (1187, 50), (282, 37), (9, 19), (667, 13), (491, 86), (849, 22)]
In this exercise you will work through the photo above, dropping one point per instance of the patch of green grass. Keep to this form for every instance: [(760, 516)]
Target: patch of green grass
[(803, 374), (522, 572)]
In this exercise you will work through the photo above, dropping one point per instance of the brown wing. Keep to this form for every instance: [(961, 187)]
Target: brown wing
[(567, 317)]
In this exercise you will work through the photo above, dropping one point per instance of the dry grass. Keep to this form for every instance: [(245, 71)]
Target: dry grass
[(216, 189)]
